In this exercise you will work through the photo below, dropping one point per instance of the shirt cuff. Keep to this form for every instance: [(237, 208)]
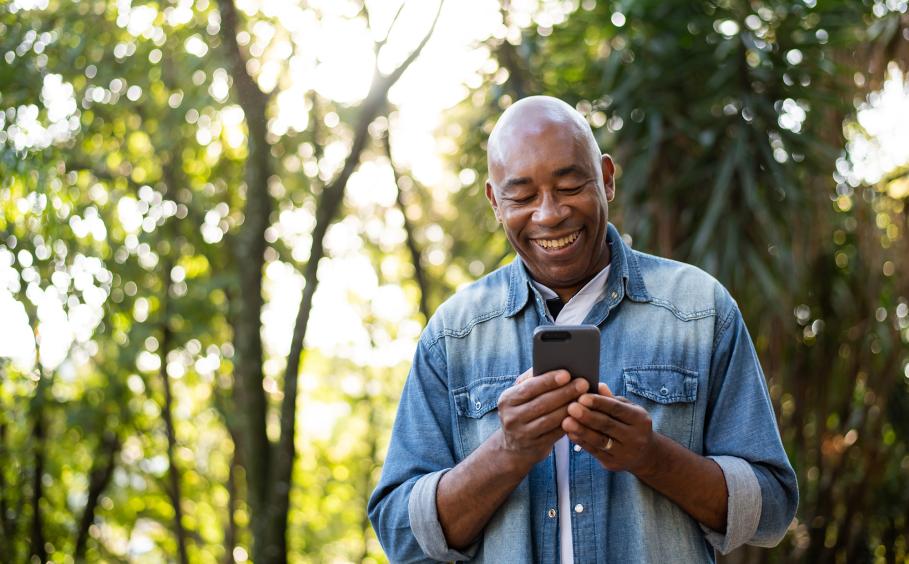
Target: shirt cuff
[(424, 521), (743, 510)]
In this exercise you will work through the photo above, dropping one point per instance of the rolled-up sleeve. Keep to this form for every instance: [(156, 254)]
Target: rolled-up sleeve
[(741, 436), (743, 511), (402, 509), (424, 520)]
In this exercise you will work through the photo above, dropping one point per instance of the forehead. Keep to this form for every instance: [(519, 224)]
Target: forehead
[(540, 150)]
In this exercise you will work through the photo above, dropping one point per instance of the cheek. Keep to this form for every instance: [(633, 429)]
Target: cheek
[(596, 213), (513, 222)]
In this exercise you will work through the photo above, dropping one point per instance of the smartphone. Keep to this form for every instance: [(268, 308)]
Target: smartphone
[(575, 348)]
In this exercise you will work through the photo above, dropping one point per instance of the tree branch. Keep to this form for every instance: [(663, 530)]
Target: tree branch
[(412, 246), (39, 436), (509, 58), (173, 471), (4, 528), (897, 176), (329, 204), (101, 473), (394, 20)]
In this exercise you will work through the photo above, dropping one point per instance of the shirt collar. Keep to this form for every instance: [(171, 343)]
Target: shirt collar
[(596, 285), (624, 277)]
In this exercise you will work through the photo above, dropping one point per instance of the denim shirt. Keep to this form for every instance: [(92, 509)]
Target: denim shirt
[(672, 341)]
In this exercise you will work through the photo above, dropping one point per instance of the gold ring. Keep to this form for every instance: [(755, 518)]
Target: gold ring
[(608, 444)]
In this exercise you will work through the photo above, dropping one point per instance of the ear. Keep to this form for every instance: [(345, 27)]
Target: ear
[(608, 176), (491, 196)]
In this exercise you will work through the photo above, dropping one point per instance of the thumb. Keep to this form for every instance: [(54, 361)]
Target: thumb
[(605, 391)]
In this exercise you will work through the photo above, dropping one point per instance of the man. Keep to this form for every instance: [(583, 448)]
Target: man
[(676, 454)]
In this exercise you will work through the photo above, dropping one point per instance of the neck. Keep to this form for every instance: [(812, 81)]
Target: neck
[(566, 294)]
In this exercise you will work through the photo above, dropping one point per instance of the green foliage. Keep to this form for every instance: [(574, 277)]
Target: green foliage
[(725, 118)]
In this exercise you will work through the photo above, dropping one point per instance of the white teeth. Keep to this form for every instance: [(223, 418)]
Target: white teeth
[(557, 243)]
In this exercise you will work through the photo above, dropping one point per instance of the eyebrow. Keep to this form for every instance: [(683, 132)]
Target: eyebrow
[(570, 170), (512, 182)]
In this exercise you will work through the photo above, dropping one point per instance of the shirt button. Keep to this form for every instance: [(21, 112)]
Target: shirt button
[(664, 391), (577, 448), (615, 294), (551, 513), (579, 508)]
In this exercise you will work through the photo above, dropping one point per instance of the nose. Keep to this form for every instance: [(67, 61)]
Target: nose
[(550, 212)]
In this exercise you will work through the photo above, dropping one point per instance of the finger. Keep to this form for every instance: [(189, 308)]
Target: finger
[(594, 438), (592, 441), (546, 423), (551, 437), (615, 406), (533, 387), (542, 414), (525, 376), (604, 390), (594, 445), (599, 423), (559, 397)]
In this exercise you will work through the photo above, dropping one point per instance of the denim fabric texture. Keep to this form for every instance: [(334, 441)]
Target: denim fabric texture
[(673, 341)]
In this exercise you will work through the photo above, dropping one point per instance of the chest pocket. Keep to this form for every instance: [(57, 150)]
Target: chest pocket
[(668, 393), (477, 416)]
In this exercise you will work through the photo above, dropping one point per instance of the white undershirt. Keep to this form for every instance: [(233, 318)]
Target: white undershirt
[(573, 313)]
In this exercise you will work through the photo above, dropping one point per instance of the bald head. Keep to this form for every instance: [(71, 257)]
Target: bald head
[(532, 117), (549, 186)]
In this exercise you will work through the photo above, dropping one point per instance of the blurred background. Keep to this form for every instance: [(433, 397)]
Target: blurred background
[(225, 222)]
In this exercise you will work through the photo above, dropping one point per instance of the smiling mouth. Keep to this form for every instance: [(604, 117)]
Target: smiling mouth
[(556, 244)]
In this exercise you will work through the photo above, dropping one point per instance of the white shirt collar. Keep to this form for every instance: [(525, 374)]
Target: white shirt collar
[(581, 303)]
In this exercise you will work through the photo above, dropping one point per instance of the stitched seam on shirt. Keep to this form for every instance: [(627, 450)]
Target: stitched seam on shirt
[(684, 316), (657, 367), (724, 326), (460, 333), (440, 358)]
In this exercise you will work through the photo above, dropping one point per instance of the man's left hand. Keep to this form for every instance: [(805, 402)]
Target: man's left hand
[(615, 431), (620, 435)]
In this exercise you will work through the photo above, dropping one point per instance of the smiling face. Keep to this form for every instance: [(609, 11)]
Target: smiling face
[(550, 187)]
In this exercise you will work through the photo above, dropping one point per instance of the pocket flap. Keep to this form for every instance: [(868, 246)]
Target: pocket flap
[(662, 384), (481, 396)]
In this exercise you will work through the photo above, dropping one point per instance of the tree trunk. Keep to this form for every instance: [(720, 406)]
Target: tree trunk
[(230, 529), (173, 472), (101, 473), (372, 457), (5, 529), (270, 467), (249, 253), (37, 549)]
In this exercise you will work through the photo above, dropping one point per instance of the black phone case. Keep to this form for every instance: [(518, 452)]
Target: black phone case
[(575, 348)]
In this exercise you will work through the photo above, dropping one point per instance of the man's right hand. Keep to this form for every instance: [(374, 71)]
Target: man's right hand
[(531, 413)]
